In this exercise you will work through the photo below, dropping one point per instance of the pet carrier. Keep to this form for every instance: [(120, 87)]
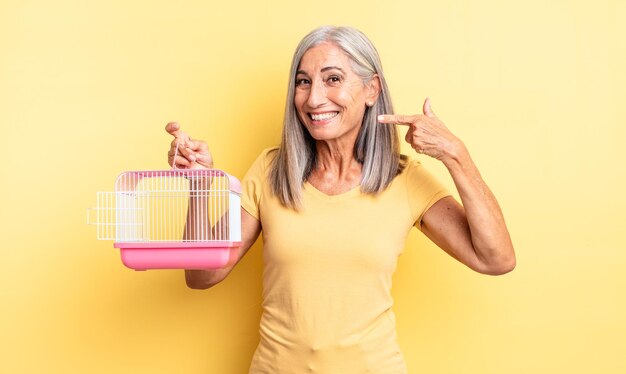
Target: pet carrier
[(171, 219)]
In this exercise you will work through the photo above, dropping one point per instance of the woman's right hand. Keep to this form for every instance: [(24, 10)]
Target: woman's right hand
[(191, 153)]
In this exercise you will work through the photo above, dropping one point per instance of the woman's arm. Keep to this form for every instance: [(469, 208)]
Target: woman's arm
[(203, 279), (474, 233), (187, 153)]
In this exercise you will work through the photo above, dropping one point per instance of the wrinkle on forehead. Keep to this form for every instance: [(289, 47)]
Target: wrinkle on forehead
[(326, 56), (322, 56)]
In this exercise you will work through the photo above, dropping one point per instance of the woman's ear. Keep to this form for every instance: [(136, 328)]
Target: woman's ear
[(373, 90)]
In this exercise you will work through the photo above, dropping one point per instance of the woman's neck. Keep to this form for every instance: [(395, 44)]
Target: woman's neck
[(336, 170)]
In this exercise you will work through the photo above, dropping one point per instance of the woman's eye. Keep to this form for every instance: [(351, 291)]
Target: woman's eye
[(302, 81), (334, 79)]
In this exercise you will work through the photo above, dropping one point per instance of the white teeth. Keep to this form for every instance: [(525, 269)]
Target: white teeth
[(323, 116)]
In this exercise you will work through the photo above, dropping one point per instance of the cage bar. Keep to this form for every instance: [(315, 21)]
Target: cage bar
[(171, 218)]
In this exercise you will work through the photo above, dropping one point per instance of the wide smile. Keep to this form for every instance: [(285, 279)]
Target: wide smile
[(322, 118)]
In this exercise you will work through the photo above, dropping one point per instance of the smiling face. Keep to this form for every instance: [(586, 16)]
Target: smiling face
[(330, 97)]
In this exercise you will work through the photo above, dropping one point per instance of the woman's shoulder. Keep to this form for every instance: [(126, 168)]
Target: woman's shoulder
[(265, 158), (414, 171), (409, 165), (269, 152), (263, 161), (417, 176)]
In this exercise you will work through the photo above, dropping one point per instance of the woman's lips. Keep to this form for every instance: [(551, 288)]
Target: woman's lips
[(322, 118)]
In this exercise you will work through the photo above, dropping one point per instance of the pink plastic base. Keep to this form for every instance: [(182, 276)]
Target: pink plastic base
[(192, 256)]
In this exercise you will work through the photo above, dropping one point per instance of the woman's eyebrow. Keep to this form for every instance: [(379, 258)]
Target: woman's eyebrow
[(325, 68)]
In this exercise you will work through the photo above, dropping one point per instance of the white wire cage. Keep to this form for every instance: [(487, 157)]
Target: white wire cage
[(171, 219)]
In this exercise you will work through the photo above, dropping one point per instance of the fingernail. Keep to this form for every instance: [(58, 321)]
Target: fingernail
[(381, 117)]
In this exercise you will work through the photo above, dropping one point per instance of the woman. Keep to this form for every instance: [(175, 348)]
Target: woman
[(336, 200)]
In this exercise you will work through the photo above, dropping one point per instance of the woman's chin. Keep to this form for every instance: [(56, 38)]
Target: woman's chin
[(330, 132), (320, 134)]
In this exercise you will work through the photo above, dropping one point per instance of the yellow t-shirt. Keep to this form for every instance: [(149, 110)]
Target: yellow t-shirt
[(327, 272)]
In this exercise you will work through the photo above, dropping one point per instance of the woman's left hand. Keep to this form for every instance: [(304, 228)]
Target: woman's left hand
[(427, 134)]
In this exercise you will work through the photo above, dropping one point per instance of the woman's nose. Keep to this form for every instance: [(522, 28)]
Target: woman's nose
[(317, 94)]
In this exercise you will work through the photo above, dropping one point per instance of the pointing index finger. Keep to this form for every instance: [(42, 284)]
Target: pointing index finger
[(397, 119)]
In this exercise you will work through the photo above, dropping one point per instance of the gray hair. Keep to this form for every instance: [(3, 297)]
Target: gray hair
[(377, 147)]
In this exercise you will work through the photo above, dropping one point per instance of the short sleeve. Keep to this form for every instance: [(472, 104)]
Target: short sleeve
[(253, 184), (423, 189)]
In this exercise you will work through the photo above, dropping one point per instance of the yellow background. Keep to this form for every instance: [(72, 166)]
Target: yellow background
[(535, 88)]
